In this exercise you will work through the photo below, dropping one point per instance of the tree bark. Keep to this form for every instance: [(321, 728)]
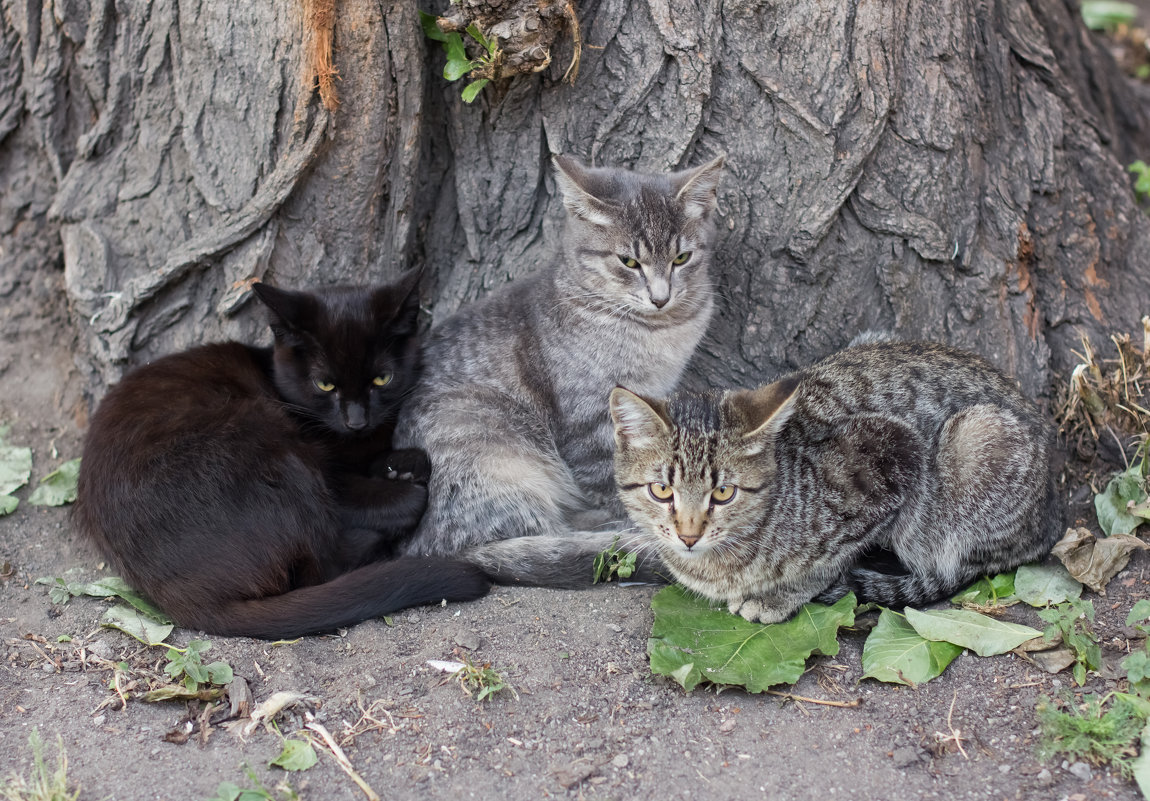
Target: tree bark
[(950, 169)]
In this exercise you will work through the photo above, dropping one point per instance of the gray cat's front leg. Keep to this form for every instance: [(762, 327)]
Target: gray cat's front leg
[(765, 610)]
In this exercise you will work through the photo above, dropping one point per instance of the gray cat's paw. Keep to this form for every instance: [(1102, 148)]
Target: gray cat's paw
[(754, 610)]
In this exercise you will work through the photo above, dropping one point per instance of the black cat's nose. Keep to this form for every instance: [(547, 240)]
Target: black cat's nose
[(354, 417)]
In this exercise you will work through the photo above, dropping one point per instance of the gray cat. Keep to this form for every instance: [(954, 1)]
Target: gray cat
[(899, 470), (512, 406)]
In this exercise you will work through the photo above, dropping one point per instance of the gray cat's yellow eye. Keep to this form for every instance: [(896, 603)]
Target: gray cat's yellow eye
[(326, 386), (723, 494), (681, 258), (629, 262), (660, 492), (382, 380)]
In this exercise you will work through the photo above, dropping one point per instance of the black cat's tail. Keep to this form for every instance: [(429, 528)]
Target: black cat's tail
[(559, 562), (377, 589)]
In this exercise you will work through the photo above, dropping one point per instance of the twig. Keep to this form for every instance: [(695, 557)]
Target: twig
[(577, 38), (823, 702), (341, 758), (955, 735)]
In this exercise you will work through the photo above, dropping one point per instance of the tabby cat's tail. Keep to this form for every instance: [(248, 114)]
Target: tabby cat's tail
[(560, 562), (377, 589)]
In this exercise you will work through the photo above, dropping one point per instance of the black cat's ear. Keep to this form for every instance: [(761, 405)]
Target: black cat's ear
[(697, 189), (290, 312), (763, 411), (639, 423), (398, 303), (575, 185)]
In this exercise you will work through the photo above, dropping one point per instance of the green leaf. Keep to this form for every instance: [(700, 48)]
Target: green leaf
[(692, 643), (226, 790), (116, 586), (989, 591), (15, 468), (476, 34), (431, 27), (8, 504), (896, 653), (1137, 667), (297, 755), (58, 487), (1041, 585), (181, 692), (979, 633), (1140, 611), (219, 673), (455, 69), (455, 49), (1141, 763), (470, 92), (1111, 505), (132, 622), (1105, 14), (58, 590)]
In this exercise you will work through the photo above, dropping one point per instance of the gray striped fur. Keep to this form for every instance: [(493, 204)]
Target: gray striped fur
[(900, 470), (512, 407)]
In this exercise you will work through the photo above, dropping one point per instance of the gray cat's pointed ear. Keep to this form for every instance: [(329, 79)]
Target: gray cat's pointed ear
[(764, 410), (697, 189), (572, 180), (639, 423)]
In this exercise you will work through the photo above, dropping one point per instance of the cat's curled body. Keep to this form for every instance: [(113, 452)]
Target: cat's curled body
[(512, 406), (231, 484), (899, 470)]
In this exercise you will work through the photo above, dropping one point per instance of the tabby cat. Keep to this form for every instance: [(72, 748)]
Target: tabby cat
[(232, 486), (512, 408), (899, 470)]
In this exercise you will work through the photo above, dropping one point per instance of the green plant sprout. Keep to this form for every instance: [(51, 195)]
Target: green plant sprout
[(612, 562), (483, 69)]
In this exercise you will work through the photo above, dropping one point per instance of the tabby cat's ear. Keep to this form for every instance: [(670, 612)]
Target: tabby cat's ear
[(764, 410), (290, 312), (697, 189), (397, 304), (639, 423), (573, 182)]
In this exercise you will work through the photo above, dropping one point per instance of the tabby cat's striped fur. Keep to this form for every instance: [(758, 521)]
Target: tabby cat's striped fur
[(899, 470)]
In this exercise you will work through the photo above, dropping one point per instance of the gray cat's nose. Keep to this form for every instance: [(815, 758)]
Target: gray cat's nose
[(660, 302), (688, 541)]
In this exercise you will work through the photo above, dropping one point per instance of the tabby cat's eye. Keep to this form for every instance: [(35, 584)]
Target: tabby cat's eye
[(681, 258), (326, 386), (723, 494), (660, 492), (382, 380), (629, 262)]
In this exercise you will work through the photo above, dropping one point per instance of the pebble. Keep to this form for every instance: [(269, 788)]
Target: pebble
[(615, 628), (1004, 768), (99, 720), (101, 649), (620, 761), (1044, 778), (48, 667), (904, 757), (469, 640), (727, 726), (1082, 771)]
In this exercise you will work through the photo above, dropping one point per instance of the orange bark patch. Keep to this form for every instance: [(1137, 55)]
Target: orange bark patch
[(319, 19)]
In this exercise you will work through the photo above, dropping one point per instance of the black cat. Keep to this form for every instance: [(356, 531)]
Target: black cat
[(245, 489)]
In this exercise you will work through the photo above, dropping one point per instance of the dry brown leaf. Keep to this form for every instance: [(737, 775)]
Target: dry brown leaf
[(1095, 561)]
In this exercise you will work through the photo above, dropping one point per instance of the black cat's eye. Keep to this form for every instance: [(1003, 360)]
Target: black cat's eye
[(381, 380), (628, 261), (324, 386), (682, 258), (660, 492), (723, 494)]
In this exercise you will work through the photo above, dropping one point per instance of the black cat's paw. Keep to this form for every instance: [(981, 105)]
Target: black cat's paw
[(409, 464)]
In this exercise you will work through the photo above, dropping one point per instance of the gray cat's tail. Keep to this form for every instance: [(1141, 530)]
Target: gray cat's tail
[(560, 562), (895, 590)]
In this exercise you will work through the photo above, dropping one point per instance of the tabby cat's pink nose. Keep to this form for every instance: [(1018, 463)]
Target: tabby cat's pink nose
[(688, 541)]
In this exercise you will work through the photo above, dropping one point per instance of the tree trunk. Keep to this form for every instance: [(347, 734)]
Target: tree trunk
[(950, 169)]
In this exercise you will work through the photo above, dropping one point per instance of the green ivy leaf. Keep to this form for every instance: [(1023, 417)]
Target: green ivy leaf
[(1041, 585), (470, 92), (896, 653), (488, 44), (1137, 667), (1140, 611), (693, 643), (220, 673), (15, 470), (1141, 763), (979, 633), (296, 755), (455, 69), (58, 487), (430, 25)]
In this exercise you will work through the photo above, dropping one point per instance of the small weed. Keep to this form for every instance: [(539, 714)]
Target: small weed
[(482, 680), (1071, 620), (1090, 731), (227, 791), (44, 784), (485, 68), (186, 663), (1105, 15), (613, 562), (1141, 172)]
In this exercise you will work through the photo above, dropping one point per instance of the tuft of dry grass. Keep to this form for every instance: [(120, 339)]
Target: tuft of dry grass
[(319, 20), (44, 784), (1106, 399)]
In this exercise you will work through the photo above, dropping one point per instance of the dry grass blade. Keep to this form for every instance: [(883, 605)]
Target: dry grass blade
[(341, 758)]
